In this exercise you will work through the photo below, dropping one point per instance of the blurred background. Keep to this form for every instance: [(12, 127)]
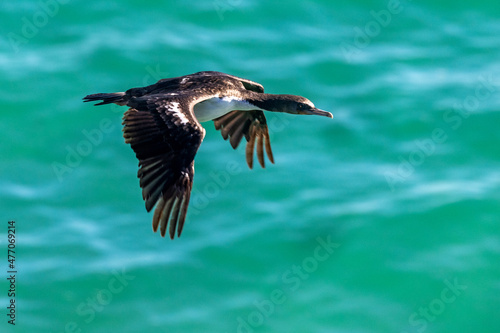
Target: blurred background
[(384, 219)]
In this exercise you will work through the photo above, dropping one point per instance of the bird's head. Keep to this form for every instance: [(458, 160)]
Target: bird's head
[(294, 105)]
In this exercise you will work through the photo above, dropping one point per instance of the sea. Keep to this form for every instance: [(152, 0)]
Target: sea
[(384, 219)]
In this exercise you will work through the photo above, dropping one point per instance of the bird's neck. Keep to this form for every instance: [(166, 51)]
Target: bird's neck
[(268, 102)]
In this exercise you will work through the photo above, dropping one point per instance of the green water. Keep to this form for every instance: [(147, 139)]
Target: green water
[(384, 219)]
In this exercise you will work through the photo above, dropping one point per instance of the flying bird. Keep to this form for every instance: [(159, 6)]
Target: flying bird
[(163, 128)]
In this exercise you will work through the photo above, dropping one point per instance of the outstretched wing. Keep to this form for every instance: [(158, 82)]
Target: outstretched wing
[(252, 125), (193, 82), (249, 85), (165, 140)]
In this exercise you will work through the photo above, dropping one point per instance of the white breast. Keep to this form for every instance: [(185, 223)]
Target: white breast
[(215, 107)]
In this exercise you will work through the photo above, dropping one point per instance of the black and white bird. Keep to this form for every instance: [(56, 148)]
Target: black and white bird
[(163, 128)]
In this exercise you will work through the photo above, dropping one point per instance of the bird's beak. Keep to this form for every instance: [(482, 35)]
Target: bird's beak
[(317, 112)]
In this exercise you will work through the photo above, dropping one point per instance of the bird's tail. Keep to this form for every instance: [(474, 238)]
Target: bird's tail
[(116, 98)]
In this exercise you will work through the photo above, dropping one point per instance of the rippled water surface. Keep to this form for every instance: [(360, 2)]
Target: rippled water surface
[(384, 219)]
